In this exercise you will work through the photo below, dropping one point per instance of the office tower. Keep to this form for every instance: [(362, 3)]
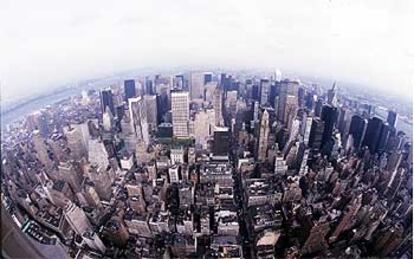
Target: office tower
[(255, 92), (39, 120), (76, 218), (107, 101), (264, 91), (98, 153), (71, 173), (372, 134), (100, 177), (392, 118), (280, 166), (196, 85), (263, 136), (179, 82), (231, 104), (357, 130), (332, 95), (129, 89), (139, 122), (163, 106), (93, 241), (307, 124), (83, 128), (255, 111), (204, 124), (288, 101), (151, 107), (318, 107), (107, 119), (221, 141), (328, 116), (349, 216), (218, 106), (208, 77), (41, 149), (76, 143), (180, 113), (316, 133), (383, 137)]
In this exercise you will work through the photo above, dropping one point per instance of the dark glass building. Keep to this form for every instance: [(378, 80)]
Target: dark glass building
[(372, 134), (221, 141), (129, 89), (357, 129), (208, 77), (106, 100), (392, 118), (316, 132), (383, 138), (329, 116)]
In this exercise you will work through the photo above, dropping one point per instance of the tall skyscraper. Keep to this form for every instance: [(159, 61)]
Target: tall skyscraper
[(107, 100), (218, 106), (75, 143), (179, 82), (392, 118), (138, 115), (383, 137), (316, 133), (329, 116), (196, 85), (288, 101), (180, 113), (208, 77), (372, 134), (204, 124), (332, 95), (264, 91), (129, 89), (76, 218), (357, 130), (263, 136), (151, 108)]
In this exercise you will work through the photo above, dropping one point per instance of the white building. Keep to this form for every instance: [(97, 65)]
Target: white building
[(180, 113)]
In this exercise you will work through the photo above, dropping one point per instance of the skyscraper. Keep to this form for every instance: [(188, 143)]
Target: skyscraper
[(316, 133), (75, 143), (180, 113), (208, 77), (392, 118), (129, 89), (263, 136), (264, 91), (151, 108), (196, 85), (288, 100), (332, 95), (357, 129), (107, 101), (372, 134), (383, 137), (218, 104), (77, 219), (138, 115), (329, 116)]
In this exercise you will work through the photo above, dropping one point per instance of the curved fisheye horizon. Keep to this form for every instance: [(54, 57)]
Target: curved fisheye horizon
[(57, 43)]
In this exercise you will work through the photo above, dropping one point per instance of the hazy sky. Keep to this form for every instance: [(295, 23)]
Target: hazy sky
[(49, 43)]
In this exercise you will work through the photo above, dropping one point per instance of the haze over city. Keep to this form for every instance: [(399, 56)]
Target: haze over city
[(45, 44)]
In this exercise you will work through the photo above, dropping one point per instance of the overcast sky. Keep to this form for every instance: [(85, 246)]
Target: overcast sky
[(49, 43)]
